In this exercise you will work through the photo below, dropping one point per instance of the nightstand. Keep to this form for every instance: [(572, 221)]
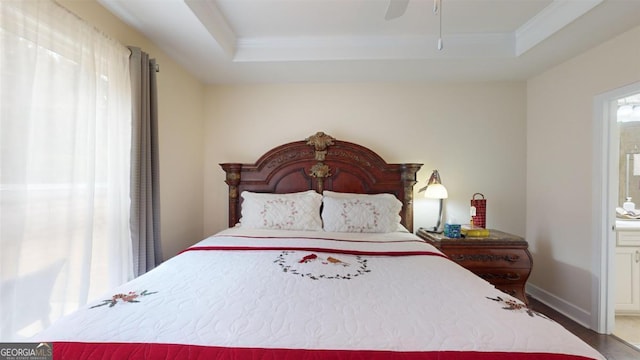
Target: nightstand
[(502, 259)]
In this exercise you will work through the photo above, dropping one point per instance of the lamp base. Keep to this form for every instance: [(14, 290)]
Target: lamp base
[(434, 230)]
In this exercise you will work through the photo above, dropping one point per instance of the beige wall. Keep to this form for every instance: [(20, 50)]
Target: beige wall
[(560, 142), (473, 133), (181, 111)]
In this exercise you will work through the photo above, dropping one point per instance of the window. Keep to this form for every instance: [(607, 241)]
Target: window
[(65, 133)]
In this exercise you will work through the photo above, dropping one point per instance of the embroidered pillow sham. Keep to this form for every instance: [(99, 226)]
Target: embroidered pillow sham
[(346, 212), (293, 211)]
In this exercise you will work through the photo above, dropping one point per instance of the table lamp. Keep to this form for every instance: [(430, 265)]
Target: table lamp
[(435, 190)]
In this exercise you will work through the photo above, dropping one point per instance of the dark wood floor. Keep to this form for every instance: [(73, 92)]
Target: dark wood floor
[(609, 346)]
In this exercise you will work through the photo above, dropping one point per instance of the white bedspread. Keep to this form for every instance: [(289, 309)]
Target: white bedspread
[(338, 294)]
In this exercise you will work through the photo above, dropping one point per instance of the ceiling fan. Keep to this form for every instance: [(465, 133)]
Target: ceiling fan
[(397, 8)]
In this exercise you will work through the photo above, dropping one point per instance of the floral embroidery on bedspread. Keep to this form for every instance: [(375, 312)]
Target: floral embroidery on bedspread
[(513, 305), (131, 297), (316, 267)]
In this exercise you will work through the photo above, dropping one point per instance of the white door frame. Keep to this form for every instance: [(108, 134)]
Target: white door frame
[(605, 197)]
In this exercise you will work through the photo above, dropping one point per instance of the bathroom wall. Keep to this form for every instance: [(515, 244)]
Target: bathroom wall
[(629, 144)]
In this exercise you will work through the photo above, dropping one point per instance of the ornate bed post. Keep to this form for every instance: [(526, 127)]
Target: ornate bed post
[(233, 179), (408, 175), (320, 141)]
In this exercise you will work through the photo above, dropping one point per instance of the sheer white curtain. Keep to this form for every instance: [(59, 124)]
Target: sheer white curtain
[(65, 133)]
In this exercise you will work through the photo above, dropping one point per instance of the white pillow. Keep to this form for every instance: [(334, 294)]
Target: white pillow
[(346, 212), (294, 211)]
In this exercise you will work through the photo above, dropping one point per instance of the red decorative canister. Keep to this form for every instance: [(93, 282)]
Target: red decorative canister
[(478, 211)]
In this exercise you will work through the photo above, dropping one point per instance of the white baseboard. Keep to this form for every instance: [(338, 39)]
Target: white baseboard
[(562, 306)]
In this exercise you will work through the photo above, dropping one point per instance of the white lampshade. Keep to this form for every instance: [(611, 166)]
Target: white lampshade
[(436, 191), (434, 188)]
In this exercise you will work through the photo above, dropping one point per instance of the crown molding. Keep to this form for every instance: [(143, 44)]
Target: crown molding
[(550, 20), (216, 24), (372, 48)]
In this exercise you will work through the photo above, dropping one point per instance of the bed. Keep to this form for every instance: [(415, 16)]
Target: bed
[(319, 262)]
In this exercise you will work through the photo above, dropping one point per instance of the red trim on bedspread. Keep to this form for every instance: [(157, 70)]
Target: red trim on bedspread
[(321, 238), (323, 250), (136, 351)]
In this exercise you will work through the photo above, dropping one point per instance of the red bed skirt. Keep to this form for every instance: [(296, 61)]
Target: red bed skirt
[(133, 351)]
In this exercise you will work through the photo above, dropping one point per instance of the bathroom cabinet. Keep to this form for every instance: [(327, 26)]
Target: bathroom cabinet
[(628, 273)]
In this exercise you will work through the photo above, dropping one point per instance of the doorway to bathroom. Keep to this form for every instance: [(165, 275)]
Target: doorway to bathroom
[(616, 231), (626, 260)]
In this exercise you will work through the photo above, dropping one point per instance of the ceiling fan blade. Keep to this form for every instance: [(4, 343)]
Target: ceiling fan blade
[(396, 9)]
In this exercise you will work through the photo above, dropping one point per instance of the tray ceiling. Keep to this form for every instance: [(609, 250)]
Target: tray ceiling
[(240, 41)]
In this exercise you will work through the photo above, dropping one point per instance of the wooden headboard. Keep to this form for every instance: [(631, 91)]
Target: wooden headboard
[(321, 162)]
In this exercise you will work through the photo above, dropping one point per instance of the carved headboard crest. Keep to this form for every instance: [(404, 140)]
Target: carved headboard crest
[(320, 141)]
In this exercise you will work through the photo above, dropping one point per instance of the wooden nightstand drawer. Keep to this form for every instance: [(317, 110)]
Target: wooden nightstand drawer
[(502, 276), (501, 259), (490, 258)]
